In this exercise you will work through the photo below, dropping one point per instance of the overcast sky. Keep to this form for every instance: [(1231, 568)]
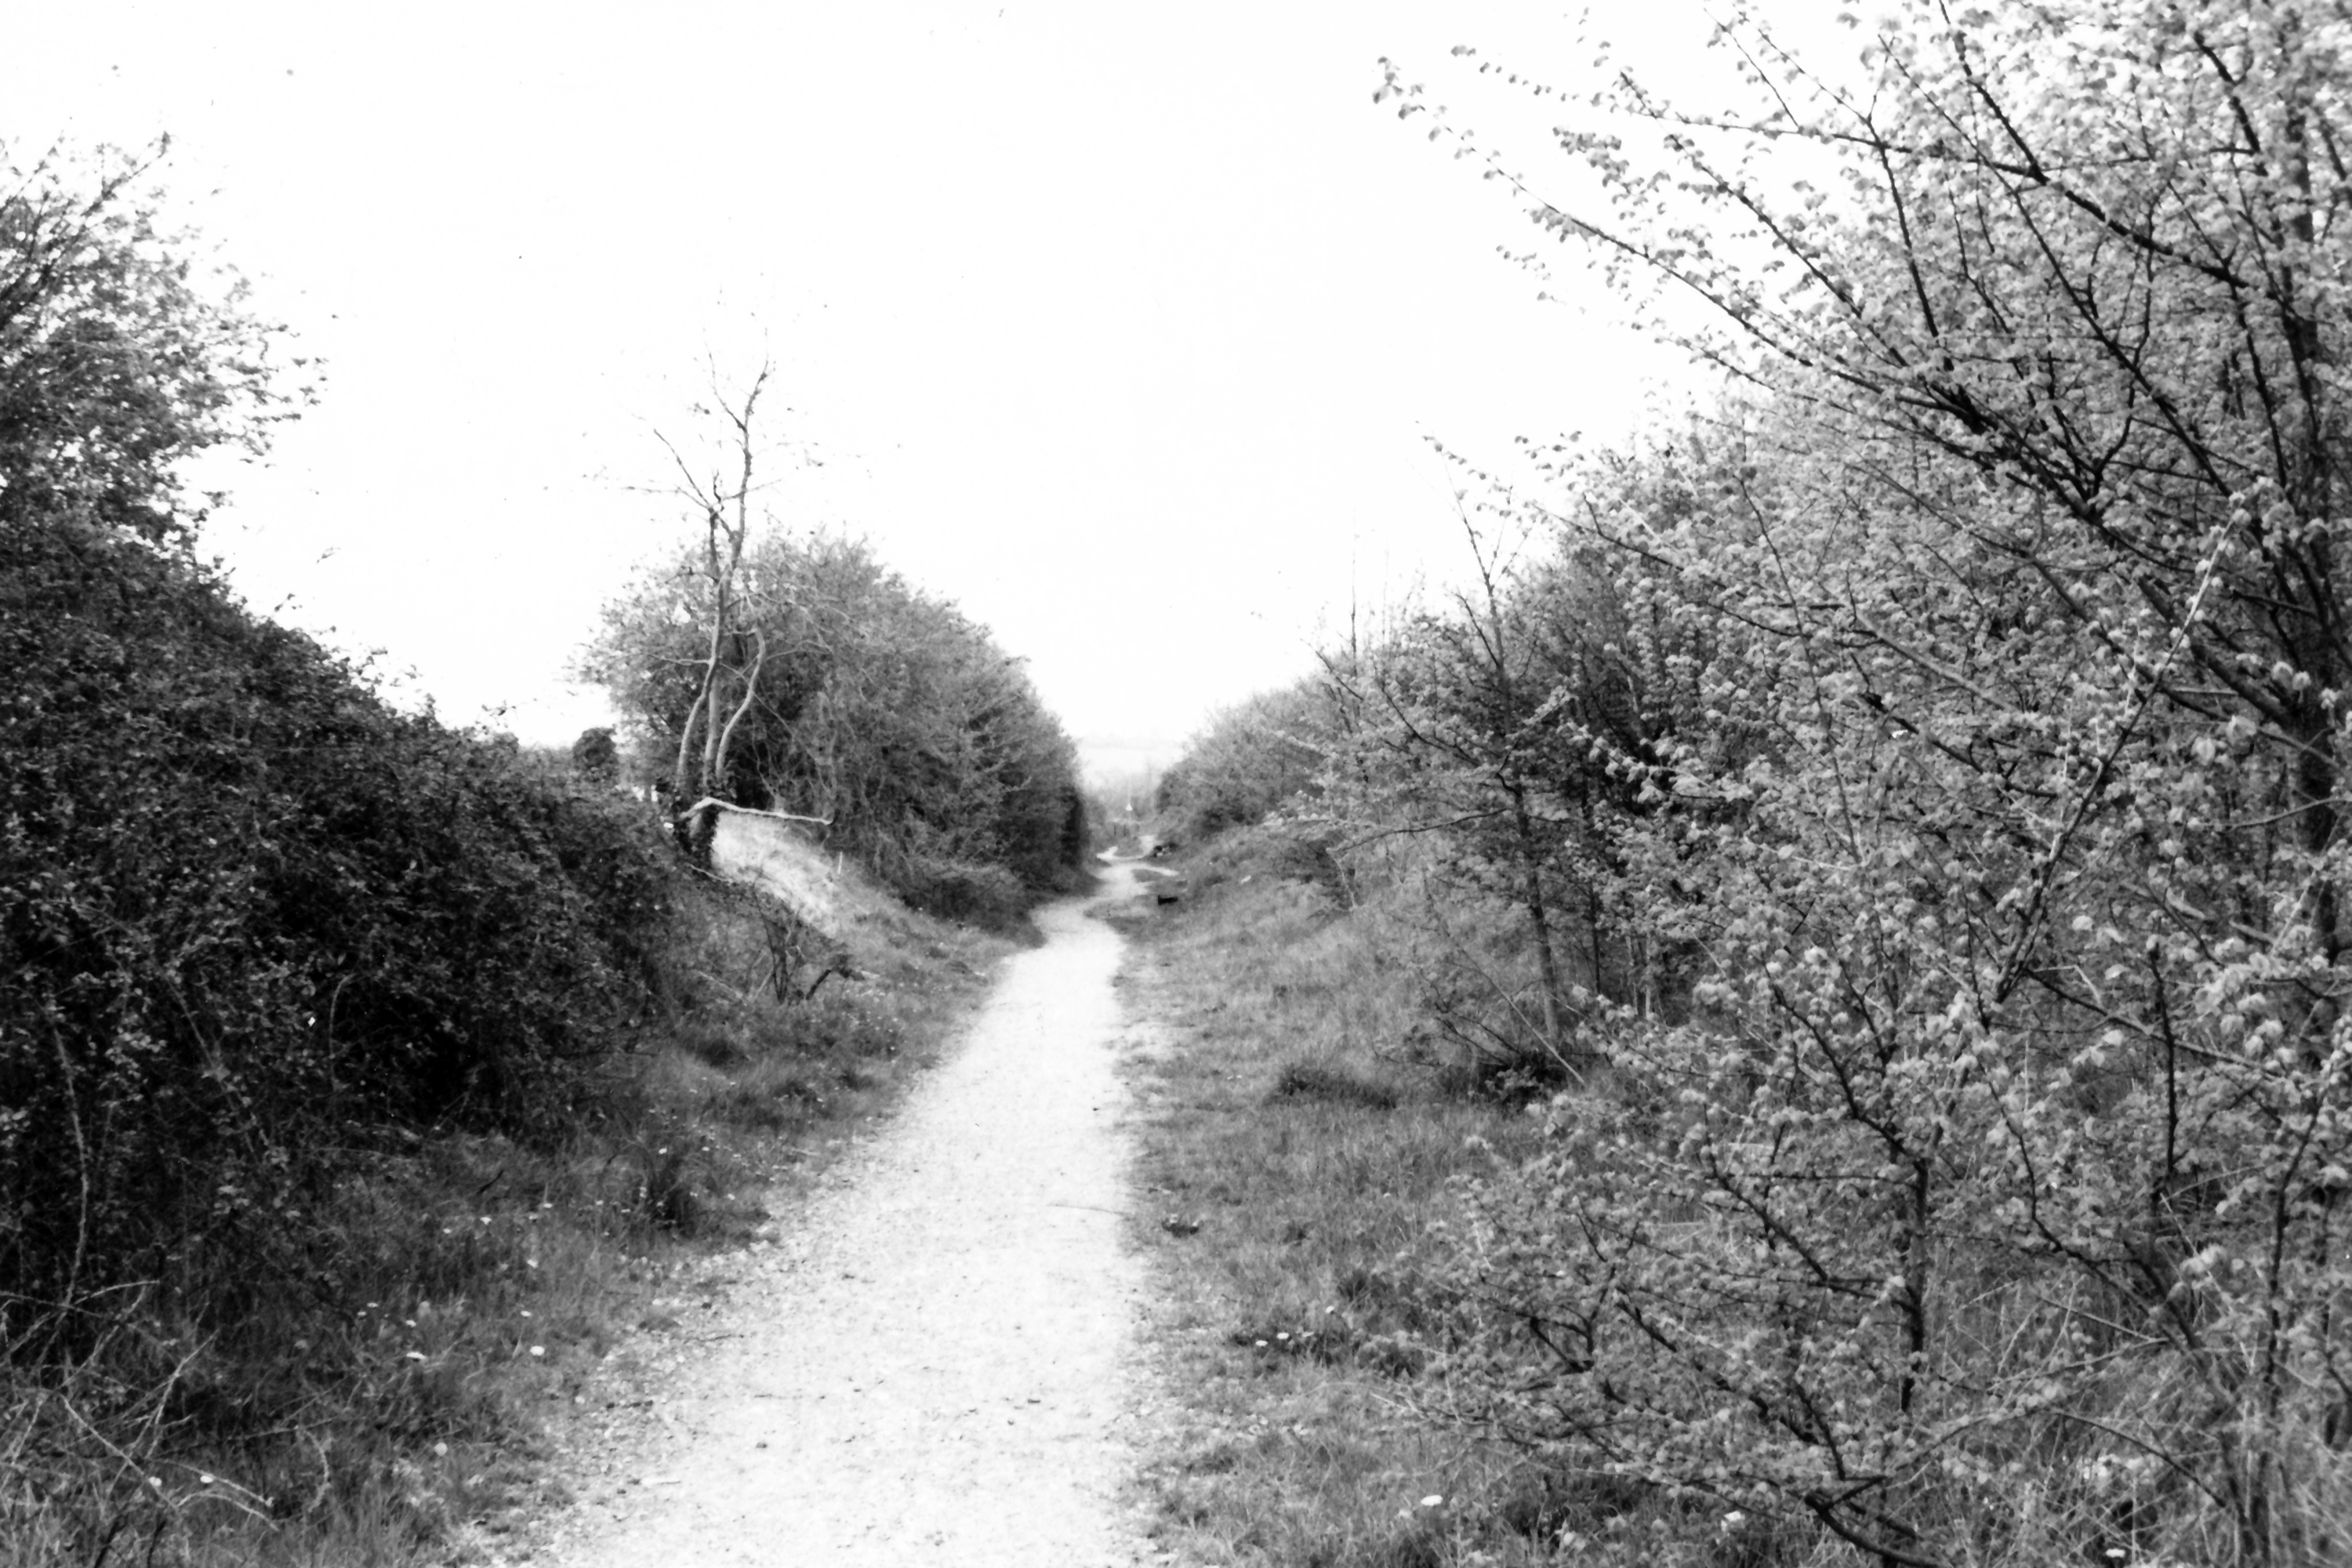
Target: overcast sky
[(1125, 328)]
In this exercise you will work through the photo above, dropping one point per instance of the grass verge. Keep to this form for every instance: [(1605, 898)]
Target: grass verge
[(1292, 1167)]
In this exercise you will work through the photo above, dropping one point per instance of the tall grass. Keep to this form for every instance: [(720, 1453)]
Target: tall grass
[(1295, 1154)]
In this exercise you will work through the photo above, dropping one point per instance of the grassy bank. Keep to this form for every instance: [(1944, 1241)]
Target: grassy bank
[(392, 1407), (1292, 1164)]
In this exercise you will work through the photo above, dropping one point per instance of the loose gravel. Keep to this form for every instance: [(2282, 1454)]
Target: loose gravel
[(932, 1361)]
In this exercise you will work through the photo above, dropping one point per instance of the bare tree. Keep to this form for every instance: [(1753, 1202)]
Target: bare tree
[(724, 503)]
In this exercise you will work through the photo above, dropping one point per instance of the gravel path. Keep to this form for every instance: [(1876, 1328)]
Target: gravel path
[(935, 1369)]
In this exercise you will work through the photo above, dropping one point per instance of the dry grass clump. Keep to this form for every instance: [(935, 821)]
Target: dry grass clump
[(1320, 1081), (1279, 1117)]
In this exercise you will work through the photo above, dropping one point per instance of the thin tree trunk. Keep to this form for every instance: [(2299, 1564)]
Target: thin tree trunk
[(1538, 919), (681, 794), (751, 691)]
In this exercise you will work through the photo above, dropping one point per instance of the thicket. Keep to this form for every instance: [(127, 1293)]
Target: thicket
[(254, 921), (266, 944), (1248, 761), (1902, 816), (845, 694)]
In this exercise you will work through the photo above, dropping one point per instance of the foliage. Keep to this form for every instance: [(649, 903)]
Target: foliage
[(268, 948), (595, 757), (1249, 762), (1476, 748), (252, 919), (323, 1126), (120, 357), (1958, 728), (872, 706)]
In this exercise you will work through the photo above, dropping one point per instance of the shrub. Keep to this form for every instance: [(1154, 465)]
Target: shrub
[(880, 710), (251, 922), (595, 757), (1252, 759)]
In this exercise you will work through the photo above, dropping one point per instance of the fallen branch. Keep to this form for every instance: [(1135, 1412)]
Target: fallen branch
[(754, 810)]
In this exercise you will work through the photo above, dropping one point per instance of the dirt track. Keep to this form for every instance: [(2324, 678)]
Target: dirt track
[(935, 1367)]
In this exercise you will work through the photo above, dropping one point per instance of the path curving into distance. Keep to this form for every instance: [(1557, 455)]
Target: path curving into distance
[(939, 1373)]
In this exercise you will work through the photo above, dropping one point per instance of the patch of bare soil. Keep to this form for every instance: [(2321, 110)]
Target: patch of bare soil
[(927, 1362)]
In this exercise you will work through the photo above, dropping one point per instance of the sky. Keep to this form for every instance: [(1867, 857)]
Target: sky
[(1130, 330)]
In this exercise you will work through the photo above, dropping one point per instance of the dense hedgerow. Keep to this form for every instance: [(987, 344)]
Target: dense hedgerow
[(253, 924)]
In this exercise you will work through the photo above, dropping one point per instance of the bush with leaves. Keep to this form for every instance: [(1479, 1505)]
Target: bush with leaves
[(119, 355), (251, 920), (1249, 762), (1483, 749), (1988, 1203), (857, 698)]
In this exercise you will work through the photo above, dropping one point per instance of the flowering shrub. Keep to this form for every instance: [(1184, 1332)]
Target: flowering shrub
[(1959, 723)]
